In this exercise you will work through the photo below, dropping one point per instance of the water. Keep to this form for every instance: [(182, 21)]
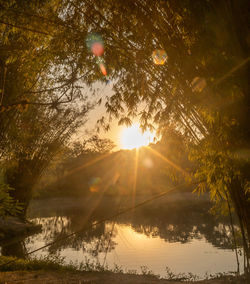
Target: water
[(178, 233)]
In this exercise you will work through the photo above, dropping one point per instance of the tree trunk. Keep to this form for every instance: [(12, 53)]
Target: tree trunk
[(22, 178), (242, 208)]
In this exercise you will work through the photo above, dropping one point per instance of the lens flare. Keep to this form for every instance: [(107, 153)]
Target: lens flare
[(148, 163), (95, 44), (97, 49), (159, 56), (103, 69), (198, 84), (94, 184)]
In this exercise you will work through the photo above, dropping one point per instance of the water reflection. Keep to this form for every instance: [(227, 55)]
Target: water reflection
[(161, 223)]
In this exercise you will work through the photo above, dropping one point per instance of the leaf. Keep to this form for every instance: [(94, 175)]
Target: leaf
[(125, 120)]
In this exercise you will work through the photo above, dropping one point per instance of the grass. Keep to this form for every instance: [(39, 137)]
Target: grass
[(57, 263), (47, 263)]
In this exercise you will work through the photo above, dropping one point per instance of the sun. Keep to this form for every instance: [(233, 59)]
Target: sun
[(132, 137)]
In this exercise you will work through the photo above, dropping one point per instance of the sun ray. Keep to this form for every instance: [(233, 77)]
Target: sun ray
[(90, 163), (135, 175), (96, 199), (92, 199), (185, 173)]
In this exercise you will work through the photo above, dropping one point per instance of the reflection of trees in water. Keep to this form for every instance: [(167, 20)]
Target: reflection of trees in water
[(182, 222), (93, 240), (171, 221)]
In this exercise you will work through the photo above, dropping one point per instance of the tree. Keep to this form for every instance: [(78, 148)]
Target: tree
[(99, 145), (202, 89), (42, 102)]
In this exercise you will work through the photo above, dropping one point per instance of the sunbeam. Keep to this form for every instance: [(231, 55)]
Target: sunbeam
[(96, 199), (185, 173), (90, 163), (135, 175)]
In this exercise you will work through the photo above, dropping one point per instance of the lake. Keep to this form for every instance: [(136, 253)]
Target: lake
[(175, 232)]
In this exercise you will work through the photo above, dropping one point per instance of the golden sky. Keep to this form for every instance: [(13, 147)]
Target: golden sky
[(122, 136), (102, 90)]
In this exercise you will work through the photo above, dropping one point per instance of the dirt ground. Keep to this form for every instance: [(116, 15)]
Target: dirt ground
[(44, 277)]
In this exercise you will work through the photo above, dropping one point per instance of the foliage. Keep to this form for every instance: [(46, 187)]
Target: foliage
[(42, 102), (46, 263), (205, 43), (8, 206), (94, 144), (202, 89)]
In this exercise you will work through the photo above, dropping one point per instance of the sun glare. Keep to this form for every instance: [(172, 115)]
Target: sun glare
[(132, 137)]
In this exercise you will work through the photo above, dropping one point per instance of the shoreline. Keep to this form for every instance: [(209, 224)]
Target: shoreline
[(56, 277), (53, 270)]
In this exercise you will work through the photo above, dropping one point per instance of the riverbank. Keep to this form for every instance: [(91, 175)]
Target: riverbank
[(53, 270), (56, 277)]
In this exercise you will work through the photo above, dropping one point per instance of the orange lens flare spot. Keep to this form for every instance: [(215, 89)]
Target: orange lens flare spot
[(94, 189), (94, 184), (97, 49), (103, 69)]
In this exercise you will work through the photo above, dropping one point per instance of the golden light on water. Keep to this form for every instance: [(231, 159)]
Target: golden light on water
[(132, 137)]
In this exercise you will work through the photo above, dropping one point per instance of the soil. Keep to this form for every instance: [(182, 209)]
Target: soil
[(63, 277)]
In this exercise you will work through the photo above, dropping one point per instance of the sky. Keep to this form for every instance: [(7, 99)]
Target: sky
[(122, 138), (115, 132)]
